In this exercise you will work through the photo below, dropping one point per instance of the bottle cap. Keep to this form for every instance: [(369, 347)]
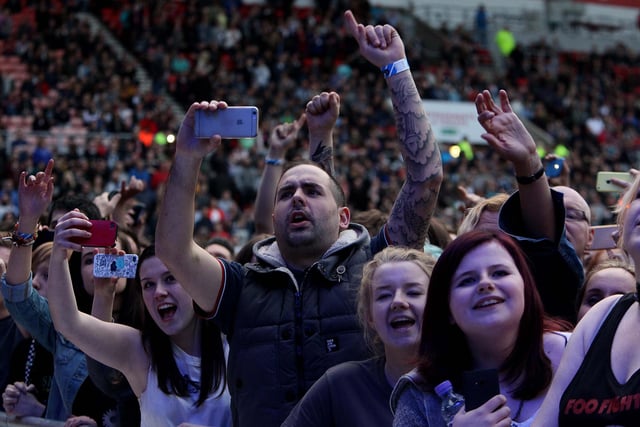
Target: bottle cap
[(443, 388)]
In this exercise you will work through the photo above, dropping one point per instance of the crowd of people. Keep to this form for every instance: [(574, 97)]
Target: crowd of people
[(271, 335), (584, 100)]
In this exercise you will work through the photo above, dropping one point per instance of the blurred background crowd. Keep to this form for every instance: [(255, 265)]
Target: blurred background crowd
[(101, 87)]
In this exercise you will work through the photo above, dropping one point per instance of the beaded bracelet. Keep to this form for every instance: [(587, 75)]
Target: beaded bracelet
[(22, 239)]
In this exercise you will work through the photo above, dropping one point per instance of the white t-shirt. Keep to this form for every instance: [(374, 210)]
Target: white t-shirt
[(158, 409)]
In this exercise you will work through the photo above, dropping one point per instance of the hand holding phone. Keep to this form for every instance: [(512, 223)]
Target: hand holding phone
[(103, 234), (478, 386), (553, 167), (230, 122), (109, 265), (603, 237), (613, 181)]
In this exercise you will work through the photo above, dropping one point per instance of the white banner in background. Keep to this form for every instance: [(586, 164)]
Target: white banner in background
[(454, 121)]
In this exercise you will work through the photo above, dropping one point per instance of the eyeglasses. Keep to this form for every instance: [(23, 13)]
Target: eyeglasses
[(576, 215)]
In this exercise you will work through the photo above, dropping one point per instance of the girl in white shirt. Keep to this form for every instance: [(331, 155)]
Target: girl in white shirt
[(171, 390)]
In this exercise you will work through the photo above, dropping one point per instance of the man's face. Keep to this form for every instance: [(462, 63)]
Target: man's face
[(306, 216), (577, 220)]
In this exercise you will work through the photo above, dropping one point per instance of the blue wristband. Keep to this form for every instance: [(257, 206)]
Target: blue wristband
[(274, 162), (395, 67)]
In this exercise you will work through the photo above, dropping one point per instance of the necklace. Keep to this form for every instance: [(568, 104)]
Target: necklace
[(30, 358), (514, 422)]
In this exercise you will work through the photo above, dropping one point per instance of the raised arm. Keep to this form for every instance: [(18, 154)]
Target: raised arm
[(413, 208), (194, 267), (112, 344), (34, 195), (508, 136), (282, 137)]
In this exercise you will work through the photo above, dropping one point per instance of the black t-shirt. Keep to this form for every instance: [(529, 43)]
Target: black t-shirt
[(10, 337), (40, 372), (93, 403), (594, 397)]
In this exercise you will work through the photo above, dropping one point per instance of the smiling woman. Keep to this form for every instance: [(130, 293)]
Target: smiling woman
[(483, 311), (391, 302), (188, 387)]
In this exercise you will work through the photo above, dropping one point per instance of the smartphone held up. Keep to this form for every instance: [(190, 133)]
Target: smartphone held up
[(230, 122), (553, 167), (103, 234), (610, 181), (109, 265)]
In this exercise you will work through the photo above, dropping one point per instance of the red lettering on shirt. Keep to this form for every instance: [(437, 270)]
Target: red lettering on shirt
[(612, 405)]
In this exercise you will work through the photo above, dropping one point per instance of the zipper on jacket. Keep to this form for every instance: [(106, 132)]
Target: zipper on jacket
[(298, 333), (298, 341)]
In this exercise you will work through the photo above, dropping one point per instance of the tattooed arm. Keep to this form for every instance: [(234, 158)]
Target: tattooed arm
[(413, 208)]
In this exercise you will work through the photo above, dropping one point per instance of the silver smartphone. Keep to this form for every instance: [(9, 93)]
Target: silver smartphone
[(603, 237), (108, 265), (231, 122)]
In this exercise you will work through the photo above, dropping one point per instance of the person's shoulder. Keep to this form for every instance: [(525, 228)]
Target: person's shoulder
[(412, 384), (591, 323), (351, 367), (554, 344)]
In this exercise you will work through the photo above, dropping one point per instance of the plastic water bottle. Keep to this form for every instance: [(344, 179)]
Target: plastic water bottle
[(452, 402)]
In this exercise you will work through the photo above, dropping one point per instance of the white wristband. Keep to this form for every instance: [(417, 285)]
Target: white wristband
[(395, 67)]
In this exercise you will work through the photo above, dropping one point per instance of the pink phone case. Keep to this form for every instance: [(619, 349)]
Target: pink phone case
[(103, 234)]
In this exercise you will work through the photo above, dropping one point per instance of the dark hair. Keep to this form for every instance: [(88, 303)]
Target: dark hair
[(222, 242), (70, 202), (444, 353), (158, 346), (372, 219), (336, 188), (132, 307), (245, 254), (83, 298), (438, 234)]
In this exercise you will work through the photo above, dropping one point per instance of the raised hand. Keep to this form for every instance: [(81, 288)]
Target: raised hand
[(283, 136), (379, 44), (18, 400), (35, 193), (186, 142), (72, 224), (322, 112), (493, 413), (80, 421), (505, 132)]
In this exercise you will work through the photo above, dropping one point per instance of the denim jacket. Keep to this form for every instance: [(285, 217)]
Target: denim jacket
[(31, 310), (413, 404)]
